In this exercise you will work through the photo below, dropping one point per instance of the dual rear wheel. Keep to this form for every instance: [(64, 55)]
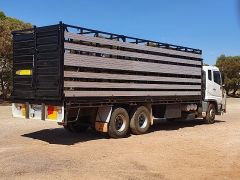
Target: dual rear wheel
[(120, 122)]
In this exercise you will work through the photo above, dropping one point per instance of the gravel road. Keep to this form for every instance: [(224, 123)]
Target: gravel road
[(181, 150)]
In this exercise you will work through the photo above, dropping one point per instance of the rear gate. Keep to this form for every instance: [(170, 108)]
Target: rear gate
[(37, 64)]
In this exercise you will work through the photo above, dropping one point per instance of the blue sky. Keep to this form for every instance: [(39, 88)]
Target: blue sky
[(210, 25)]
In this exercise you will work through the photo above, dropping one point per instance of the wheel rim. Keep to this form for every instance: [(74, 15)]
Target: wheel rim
[(142, 120), (120, 123), (212, 113)]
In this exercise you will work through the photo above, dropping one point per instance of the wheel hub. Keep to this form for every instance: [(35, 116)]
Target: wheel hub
[(142, 120), (120, 123)]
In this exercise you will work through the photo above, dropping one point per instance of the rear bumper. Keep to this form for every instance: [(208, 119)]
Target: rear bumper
[(39, 112)]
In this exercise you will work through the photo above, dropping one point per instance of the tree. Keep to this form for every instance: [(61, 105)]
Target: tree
[(230, 68), (7, 25)]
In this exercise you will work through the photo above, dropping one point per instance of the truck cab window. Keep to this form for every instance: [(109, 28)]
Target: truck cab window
[(223, 78), (210, 75), (217, 77)]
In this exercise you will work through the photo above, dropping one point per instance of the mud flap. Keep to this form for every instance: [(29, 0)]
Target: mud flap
[(103, 118)]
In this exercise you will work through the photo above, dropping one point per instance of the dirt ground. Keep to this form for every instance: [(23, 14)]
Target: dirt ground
[(181, 150)]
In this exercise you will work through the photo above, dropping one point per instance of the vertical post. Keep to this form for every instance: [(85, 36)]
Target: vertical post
[(62, 28), (67, 107), (13, 66), (34, 62), (124, 39), (43, 112), (27, 110)]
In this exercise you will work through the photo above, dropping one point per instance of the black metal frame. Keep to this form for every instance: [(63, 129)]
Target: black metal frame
[(13, 46), (124, 38), (60, 42), (97, 101)]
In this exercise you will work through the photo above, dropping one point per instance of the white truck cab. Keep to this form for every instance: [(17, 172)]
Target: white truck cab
[(213, 89)]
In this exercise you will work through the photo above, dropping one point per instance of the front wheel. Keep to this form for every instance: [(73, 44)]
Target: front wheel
[(119, 123), (211, 112)]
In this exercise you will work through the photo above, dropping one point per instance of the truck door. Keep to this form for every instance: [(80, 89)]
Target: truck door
[(214, 89), (217, 86), (209, 85), (48, 63)]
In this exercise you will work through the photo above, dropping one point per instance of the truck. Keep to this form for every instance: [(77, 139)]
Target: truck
[(82, 78)]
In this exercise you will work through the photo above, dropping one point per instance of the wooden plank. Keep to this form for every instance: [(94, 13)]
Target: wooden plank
[(127, 53), (91, 75), (79, 84), (129, 93), (119, 64), (128, 45)]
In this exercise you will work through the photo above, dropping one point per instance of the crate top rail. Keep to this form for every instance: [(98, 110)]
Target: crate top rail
[(124, 38)]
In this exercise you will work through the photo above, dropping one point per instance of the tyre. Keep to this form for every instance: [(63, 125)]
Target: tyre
[(211, 112), (119, 123), (76, 127), (140, 120)]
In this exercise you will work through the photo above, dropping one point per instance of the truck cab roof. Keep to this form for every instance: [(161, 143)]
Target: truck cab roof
[(210, 68)]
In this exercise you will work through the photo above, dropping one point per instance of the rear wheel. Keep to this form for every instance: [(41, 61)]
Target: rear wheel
[(119, 123), (211, 112), (140, 120)]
